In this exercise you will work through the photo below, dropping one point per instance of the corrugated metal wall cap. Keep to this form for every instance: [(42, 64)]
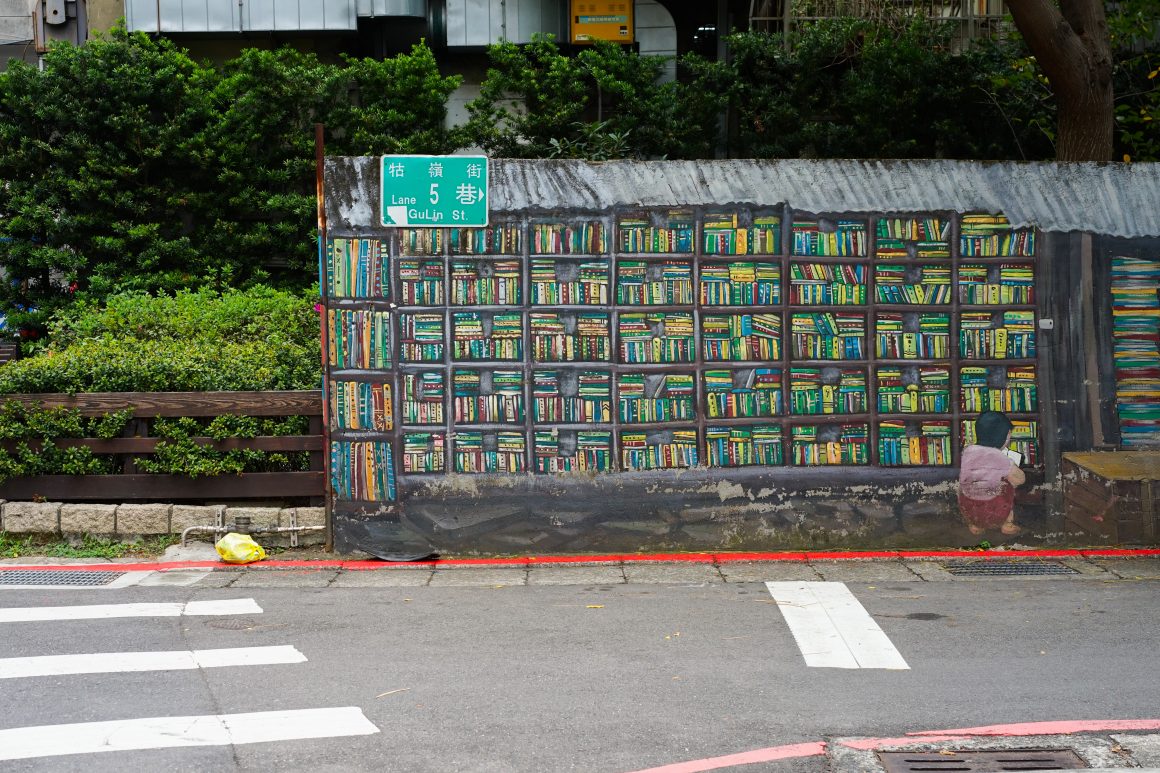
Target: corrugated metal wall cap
[(1113, 199)]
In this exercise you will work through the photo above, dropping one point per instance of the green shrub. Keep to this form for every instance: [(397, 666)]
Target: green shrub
[(199, 341)]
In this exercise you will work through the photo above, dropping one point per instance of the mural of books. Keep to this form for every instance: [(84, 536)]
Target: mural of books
[(722, 235), (421, 282), (424, 452), (654, 283), (912, 335), (1024, 438), (735, 344), (904, 238), (740, 284), (743, 446), (1006, 284), (570, 282), (672, 234), (571, 396), (656, 337), (488, 397), (726, 337), (486, 282), (362, 471), (421, 338), (500, 239), (560, 336), (744, 392), (828, 336), (988, 236), (905, 443), (562, 450), (477, 452), (656, 397), (996, 336), (820, 391), (912, 284), (421, 241), (827, 284), (914, 389), (826, 444), (359, 338), (835, 239), (658, 449), (1136, 348), (357, 268), (361, 405), (1011, 389), (422, 397), (487, 335), (584, 238)]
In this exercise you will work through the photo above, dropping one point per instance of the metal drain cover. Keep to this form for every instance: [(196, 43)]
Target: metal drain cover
[(976, 762), (993, 568), (77, 579)]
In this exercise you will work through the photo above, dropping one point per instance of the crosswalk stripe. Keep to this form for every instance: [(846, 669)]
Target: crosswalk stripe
[(168, 732), (176, 660), (831, 628), (104, 611)]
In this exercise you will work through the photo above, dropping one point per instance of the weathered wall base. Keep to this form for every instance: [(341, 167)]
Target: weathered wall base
[(674, 511)]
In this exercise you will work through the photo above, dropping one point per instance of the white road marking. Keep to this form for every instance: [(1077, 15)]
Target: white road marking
[(104, 611), (176, 660), (22, 743), (832, 629)]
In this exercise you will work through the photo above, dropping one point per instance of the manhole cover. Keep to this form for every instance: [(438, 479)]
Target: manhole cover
[(1012, 759), (1006, 568), (51, 577)]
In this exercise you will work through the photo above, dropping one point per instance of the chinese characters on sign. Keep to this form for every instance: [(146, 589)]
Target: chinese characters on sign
[(442, 191)]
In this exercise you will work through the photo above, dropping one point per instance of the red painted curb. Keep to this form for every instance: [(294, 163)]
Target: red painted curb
[(612, 558)]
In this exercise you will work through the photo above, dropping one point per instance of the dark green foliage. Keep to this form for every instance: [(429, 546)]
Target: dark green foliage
[(24, 423), (606, 102), (855, 89), (128, 166), (1135, 35)]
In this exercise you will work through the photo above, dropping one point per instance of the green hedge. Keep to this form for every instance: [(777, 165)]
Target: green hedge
[(258, 339)]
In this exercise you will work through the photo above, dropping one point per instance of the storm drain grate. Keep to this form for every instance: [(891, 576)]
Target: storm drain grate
[(975, 762), (1006, 568), (50, 577)]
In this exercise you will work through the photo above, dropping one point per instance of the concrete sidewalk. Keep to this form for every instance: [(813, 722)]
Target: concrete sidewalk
[(313, 568)]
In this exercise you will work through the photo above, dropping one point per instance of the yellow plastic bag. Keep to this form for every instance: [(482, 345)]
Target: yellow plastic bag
[(239, 549)]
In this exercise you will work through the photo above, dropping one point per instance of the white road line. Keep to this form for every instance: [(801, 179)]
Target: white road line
[(832, 629), (22, 743), (103, 611), (176, 660)]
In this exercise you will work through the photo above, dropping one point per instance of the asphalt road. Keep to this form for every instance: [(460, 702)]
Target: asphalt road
[(610, 678)]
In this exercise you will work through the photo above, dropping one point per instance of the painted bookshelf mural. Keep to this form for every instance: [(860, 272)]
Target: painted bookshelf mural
[(670, 339), (1136, 349)]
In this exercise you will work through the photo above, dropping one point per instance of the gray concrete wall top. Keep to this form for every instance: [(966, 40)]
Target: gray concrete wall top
[(1114, 199)]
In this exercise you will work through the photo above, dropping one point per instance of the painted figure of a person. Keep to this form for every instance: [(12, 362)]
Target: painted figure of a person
[(988, 477)]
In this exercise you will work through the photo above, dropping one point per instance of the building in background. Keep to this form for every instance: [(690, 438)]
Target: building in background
[(28, 27)]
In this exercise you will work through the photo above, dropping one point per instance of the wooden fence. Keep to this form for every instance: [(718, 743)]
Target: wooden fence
[(132, 486)]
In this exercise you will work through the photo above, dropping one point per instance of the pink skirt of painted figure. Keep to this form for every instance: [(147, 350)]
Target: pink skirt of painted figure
[(988, 513)]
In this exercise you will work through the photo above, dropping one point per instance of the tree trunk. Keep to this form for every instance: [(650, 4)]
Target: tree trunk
[(1071, 44)]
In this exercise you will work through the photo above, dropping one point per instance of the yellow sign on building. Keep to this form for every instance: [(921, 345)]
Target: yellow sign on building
[(593, 20)]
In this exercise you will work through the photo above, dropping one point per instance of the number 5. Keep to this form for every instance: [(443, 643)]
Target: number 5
[(434, 193)]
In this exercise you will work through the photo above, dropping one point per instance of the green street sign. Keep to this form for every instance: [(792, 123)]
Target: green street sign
[(441, 191)]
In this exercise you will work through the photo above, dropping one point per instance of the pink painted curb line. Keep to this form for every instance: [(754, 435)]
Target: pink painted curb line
[(1062, 727), (617, 558)]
